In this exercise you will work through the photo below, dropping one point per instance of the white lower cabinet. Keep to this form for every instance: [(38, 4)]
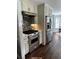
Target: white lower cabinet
[(26, 43), (26, 48)]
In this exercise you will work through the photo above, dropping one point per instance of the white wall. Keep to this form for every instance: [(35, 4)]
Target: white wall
[(20, 30), (57, 23)]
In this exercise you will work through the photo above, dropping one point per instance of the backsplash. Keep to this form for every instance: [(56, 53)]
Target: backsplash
[(26, 26)]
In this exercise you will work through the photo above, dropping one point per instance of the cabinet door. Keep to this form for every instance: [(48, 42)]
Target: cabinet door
[(28, 6), (26, 48), (35, 9), (24, 5), (47, 10), (50, 12)]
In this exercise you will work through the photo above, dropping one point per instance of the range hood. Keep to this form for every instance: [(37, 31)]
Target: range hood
[(28, 13)]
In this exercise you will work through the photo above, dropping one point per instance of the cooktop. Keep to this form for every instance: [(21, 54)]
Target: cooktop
[(30, 31)]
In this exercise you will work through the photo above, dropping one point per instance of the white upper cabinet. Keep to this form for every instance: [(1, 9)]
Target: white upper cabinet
[(51, 11), (48, 10), (24, 5), (28, 6)]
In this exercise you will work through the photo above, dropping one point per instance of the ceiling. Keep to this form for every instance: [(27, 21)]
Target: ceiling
[(56, 4)]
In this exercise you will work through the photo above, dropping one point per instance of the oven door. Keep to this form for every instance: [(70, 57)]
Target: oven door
[(33, 39), (33, 43)]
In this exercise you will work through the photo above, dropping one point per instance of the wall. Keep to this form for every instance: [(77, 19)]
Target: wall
[(52, 24), (19, 26), (57, 25)]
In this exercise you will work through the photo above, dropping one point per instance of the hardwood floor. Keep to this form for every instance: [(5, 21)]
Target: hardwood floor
[(50, 51)]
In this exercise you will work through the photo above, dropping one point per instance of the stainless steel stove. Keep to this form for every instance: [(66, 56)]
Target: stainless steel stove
[(33, 39)]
